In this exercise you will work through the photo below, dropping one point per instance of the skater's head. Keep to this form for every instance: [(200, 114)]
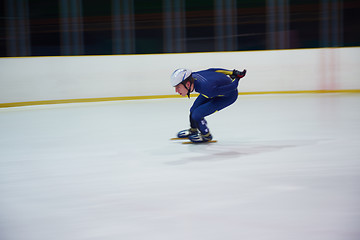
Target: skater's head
[(183, 81), (184, 88)]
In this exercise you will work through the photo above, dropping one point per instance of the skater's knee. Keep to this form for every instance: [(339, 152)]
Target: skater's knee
[(196, 116)]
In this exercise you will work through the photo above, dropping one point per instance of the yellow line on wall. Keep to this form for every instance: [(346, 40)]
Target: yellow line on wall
[(86, 100)]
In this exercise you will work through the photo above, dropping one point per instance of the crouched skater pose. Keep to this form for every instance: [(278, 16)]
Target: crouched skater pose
[(217, 88)]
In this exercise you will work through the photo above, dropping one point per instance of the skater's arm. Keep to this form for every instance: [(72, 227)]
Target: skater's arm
[(229, 87), (221, 70), (231, 73)]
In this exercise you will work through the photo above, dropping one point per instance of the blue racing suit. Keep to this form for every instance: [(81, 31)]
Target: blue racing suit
[(217, 91)]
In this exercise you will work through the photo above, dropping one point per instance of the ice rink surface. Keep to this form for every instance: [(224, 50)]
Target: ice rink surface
[(285, 167)]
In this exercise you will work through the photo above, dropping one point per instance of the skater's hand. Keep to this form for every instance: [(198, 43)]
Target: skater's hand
[(236, 74)]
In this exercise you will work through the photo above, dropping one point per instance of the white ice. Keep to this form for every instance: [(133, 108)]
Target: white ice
[(285, 167)]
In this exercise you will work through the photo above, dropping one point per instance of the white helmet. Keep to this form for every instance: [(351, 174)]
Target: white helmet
[(179, 75)]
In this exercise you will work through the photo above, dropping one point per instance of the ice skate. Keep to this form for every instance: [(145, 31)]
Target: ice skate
[(187, 133), (200, 138)]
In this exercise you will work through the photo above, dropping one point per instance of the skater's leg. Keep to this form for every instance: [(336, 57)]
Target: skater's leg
[(207, 108), (193, 125), (200, 100)]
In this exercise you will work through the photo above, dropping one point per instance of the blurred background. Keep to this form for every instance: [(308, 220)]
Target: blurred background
[(106, 27)]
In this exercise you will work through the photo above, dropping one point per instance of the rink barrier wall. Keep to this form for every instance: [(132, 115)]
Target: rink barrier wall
[(74, 79)]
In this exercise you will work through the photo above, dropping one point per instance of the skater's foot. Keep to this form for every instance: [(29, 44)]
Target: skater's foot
[(199, 138), (187, 133)]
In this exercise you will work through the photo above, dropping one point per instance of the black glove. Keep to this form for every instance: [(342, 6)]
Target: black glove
[(236, 74)]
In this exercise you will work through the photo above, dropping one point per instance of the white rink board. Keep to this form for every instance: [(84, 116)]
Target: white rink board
[(57, 78)]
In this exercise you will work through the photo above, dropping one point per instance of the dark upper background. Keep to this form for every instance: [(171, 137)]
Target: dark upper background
[(93, 27)]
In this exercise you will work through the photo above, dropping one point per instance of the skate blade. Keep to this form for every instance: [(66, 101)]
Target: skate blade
[(178, 138), (190, 142)]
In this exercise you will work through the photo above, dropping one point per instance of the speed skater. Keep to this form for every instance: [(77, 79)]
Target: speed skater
[(217, 88)]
